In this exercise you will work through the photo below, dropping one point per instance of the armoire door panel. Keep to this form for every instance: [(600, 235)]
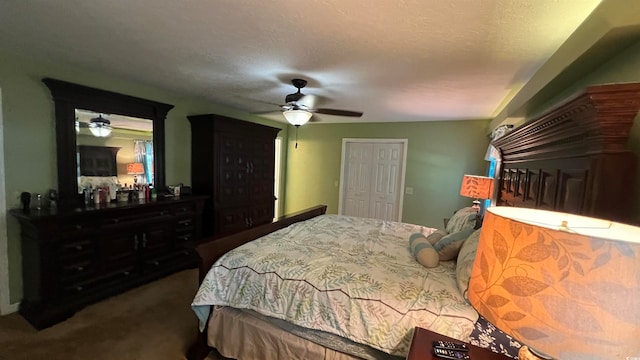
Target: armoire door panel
[(571, 190), (548, 190)]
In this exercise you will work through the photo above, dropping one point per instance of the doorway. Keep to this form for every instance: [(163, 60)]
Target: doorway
[(372, 176)]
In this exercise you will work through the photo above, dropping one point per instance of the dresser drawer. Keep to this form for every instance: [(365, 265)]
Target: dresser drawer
[(87, 286), (75, 270), (185, 225), (137, 217), (183, 209), (76, 247)]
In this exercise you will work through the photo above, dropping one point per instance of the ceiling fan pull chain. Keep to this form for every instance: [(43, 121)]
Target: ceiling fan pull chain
[(297, 126)]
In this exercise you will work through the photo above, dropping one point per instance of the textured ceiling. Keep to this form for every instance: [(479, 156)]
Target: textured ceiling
[(395, 60)]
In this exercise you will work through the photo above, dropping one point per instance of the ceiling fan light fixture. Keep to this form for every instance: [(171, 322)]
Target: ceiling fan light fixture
[(297, 117), (100, 127)]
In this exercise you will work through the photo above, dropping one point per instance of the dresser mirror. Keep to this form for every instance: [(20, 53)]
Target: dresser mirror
[(101, 135), (114, 150)]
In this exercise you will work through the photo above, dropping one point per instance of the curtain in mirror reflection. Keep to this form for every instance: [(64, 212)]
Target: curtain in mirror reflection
[(143, 152)]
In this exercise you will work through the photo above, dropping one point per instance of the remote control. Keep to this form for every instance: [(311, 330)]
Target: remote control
[(450, 345), (450, 354)]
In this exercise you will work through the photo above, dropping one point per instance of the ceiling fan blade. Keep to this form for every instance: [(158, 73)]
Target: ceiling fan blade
[(308, 101), (268, 112), (315, 119), (338, 112)]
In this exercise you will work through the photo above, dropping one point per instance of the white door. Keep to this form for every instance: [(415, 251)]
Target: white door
[(385, 189), (358, 181), (372, 178)]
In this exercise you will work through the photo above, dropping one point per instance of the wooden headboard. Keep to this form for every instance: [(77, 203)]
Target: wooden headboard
[(574, 158)]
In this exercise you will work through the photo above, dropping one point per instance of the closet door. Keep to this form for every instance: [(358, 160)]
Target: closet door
[(385, 187), (357, 185), (372, 178)]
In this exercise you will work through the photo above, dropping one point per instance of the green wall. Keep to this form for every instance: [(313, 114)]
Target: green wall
[(439, 153), (29, 133)]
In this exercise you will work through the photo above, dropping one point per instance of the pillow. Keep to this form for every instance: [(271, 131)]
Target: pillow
[(449, 245), (435, 236), (461, 220), (464, 266), (423, 251)]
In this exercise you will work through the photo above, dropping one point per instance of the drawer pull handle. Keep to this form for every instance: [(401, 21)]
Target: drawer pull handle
[(79, 288), (126, 273), (80, 268), (78, 226), (156, 263), (79, 247)]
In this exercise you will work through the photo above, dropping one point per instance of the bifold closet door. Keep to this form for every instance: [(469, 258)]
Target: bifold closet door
[(372, 176)]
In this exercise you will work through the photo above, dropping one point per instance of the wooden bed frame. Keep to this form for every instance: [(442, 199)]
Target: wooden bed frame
[(572, 159), (210, 252)]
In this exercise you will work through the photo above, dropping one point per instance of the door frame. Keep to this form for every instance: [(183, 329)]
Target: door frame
[(277, 190), (5, 300), (343, 162)]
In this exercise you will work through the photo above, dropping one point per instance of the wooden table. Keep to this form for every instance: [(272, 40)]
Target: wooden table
[(422, 347)]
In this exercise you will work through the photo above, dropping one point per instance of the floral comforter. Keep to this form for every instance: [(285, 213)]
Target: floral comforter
[(349, 276)]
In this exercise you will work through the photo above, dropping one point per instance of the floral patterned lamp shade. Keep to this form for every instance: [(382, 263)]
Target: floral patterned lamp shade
[(476, 187), (564, 285)]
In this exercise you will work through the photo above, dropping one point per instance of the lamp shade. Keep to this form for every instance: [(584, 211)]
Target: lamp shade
[(477, 187), (565, 285), (297, 117), (135, 168)]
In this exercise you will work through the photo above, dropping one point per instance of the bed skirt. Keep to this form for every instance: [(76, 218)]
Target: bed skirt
[(246, 335)]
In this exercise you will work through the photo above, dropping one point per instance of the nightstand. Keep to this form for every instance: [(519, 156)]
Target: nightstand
[(422, 347)]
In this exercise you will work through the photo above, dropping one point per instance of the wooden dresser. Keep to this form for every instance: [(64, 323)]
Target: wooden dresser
[(232, 162), (75, 257)]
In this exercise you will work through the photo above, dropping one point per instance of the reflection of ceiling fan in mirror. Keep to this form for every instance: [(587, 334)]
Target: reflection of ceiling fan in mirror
[(299, 108), (100, 127), (101, 124)]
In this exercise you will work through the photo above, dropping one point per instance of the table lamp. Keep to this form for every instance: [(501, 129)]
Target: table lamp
[(476, 187), (566, 286), (135, 169)]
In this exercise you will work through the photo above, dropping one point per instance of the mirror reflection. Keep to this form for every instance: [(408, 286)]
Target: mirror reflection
[(115, 151)]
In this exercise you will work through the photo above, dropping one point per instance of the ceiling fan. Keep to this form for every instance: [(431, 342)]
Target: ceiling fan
[(299, 108), (99, 126)]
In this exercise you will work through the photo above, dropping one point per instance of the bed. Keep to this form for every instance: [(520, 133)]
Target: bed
[(347, 276), (559, 161)]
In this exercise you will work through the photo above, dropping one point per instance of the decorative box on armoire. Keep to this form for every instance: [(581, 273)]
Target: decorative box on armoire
[(232, 162)]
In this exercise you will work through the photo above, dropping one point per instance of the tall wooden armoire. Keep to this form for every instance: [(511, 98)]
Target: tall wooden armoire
[(232, 162)]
